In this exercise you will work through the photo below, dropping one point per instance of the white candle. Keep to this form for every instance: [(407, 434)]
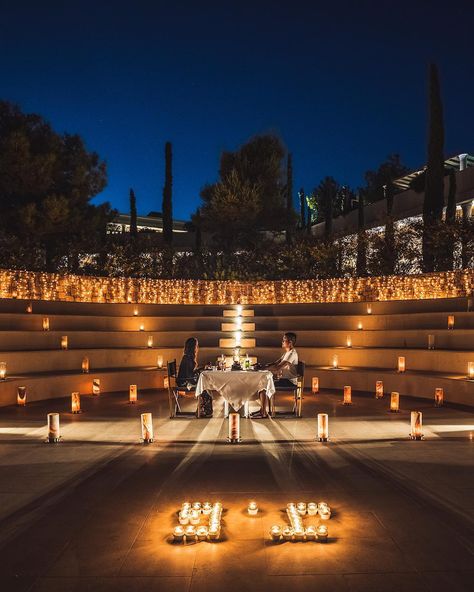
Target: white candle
[(401, 364), (132, 394), (323, 427), (310, 533), (301, 507), (359, 326), (287, 533), (147, 427), (252, 509), (64, 341), (315, 384), (96, 386), (178, 534), (53, 427), (416, 420), (159, 361), (3, 370), (335, 362), (45, 324), (349, 341), (194, 517), (202, 533), (322, 533), (150, 341), (275, 532), (312, 509), (450, 321), (470, 370), (234, 427), (190, 532)]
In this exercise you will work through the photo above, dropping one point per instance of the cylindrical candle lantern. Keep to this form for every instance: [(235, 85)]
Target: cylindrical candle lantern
[(178, 534), (439, 397), (470, 370), (379, 389), (349, 341), (29, 308), (401, 364), (147, 428), (347, 395), (53, 427), (323, 427), (431, 341), (21, 396), (85, 365), (275, 532), (142, 327), (252, 508), (45, 324), (75, 402), (335, 362), (150, 341), (315, 384), (416, 425), (394, 402), (450, 321), (322, 533), (96, 386), (64, 342), (359, 326), (369, 309), (3, 370), (132, 394), (135, 312), (159, 361), (234, 427)]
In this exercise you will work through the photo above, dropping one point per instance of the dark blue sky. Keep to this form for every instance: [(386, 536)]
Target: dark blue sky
[(343, 83)]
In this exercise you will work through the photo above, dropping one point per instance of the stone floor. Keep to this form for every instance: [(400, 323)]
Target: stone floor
[(95, 512)]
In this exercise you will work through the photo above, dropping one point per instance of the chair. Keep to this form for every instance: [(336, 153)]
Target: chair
[(297, 391), (175, 392)]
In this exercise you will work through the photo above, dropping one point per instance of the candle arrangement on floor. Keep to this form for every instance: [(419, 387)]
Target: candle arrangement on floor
[(192, 522), (96, 386), (297, 532), (416, 420), (315, 385), (347, 396), (439, 397), (379, 389), (21, 396)]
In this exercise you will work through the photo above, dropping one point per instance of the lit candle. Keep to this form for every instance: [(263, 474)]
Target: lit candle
[(159, 361), (431, 341), (85, 365), (197, 507), (324, 512), (178, 534), (252, 509), (322, 533), (96, 386), (450, 321), (287, 533), (147, 428), (132, 394), (470, 370), (349, 341), (239, 310), (21, 396), (301, 507), (299, 533), (379, 389), (234, 427), (129, 298), (369, 309), (401, 364), (439, 397), (3, 370), (315, 384), (335, 362), (194, 517), (53, 427), (416, 418), (206, 508), (135, 312), (183, 517), (64, 342), (29, 308), (394, 402), (142, 328), (275, 532), (75, 402), (310, 533), (360, 326), (150, 341), (323, 427), (202, 533), (347, 395), (312, 509), (190, 532), (45, 324), (238, 322)]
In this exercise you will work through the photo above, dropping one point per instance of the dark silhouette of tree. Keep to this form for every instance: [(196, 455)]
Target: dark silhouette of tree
[(302, 199), (133, 215), (451, 205), (361, 261), (387, 172), (290, 212), (167, 208), (326, 195)]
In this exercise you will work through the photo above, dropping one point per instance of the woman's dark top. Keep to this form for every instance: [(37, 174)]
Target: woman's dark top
[(187, 375)]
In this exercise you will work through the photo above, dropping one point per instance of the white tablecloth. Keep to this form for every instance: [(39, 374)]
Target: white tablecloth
[(236, 387)]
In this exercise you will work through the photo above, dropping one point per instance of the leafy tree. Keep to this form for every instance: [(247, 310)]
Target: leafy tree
[(290, 212), (327, 200), (387, 172), (167, 207), (133, 215)]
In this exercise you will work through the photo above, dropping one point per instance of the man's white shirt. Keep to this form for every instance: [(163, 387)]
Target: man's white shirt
[(291, 372)]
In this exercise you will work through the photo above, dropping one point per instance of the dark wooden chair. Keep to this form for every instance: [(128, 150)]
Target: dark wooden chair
[(297, 391), (175, 393)]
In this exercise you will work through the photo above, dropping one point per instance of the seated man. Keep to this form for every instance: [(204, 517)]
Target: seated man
[(286, 367)]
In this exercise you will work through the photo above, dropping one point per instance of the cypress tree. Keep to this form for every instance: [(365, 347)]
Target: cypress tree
[(289, 199), (167, 209), (133, 215), (302, 208)]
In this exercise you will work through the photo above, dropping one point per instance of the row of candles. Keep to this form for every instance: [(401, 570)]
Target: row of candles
[(190, 519), (297, 531)]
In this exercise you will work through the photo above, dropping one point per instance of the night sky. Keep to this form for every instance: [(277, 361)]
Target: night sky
[(343, 83)]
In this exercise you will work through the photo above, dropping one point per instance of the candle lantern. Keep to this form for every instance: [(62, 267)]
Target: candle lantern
[(360, 326), (76, 402), (349, 341), (64, 342), (190, 532), (135, 312), (322, 533), (53, 428), (159, 361), (21, 396), (450, 321), (178, 534), (234, 428), (416, 425), (166, 382), (347, 395), (206, 508), (142, 328), (310, 533), (401, 364), (439, 397), (96, 386), (132, 394), (29, 308), (252, 509), (323, 427), (147, 428), (3, 370), (315, 384), (431, 341), (369, 309), (45, 324), (202, 533), (150, 341), (275, 532), (85, 365), (301, 508), (312, 508), (379, 389), (394, 402), (335, 362), (470, 371)]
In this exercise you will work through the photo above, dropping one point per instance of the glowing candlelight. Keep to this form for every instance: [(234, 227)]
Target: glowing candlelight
[(431, 341), (450, 321), (45, 324), (348, 341), (369, 309), (439, 397), (202, 533), (322, 533), (96, 386), (85, 365), (394, 402), (159, 361), (323, 427), (194, 517), (252, 508), (234, 427), (299, 533), (347, 395), (150, 341), (142, 328), (206, 508), (147, 428), (312, 509), (301, 507), (379, 389), (401, 364), (287, 533), (64, 342), (190, 532), (197, 506), (310, 533), (75, 402), (21, 396), (324, 512), (275, 532), (315, 384), (135, 312), (29, 308), (335, 362), (129, 298), (183, 517), (238, 338), (238, 322), (416, 418), (470, 370), (53, 427), (3, 370), (132, 394), (178, 534), (360, 326), (239, 310)]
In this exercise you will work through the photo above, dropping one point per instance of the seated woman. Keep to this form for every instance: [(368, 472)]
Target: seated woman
[(188, 375)]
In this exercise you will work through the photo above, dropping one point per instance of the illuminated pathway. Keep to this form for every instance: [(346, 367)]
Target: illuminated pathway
[(95, 513)]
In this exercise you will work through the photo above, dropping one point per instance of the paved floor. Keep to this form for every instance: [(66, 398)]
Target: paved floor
[(95, 512)]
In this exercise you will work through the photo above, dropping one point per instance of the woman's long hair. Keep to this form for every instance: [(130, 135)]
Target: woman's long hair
[(190, 348)]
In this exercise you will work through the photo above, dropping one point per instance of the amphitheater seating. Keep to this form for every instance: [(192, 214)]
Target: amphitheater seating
[(115, 338)]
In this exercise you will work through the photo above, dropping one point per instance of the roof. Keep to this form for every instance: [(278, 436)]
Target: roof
[(451, 163)]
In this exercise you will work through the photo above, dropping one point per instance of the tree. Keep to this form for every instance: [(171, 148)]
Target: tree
[(387, 172), (290, 212), (167, 208), (133, 215), (302, 199), (361, 262), (326, 196), (47, 180)]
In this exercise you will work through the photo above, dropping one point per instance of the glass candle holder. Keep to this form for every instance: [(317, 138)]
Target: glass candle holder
[(394, 402), (315, 385), (439, 397), (379, 389), (347, 395), (132, 394)]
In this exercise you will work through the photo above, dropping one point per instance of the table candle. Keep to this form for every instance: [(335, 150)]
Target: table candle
[(301, 507), (3, 370), (299, 533), (75, 402), (159, 361), (132, 394), (197, 507), (194, 517), (45, 324), (470, 370), (431, 341), (96, 386), (85, 365), (64, 342), (142, 327), (234, 427), (369, 309), (183, 517), (202, 533), (401, 364), (178, 534), (252, 509), (275, 532), (149, 341), (206, 508), (190, 532), (359, 326), (135, 312), (323, 427), (310, 533), (450, 321), (53, 427), (312, 509), (322, 533), (335, 362), (349, 341), (29, 308), (287, 533), (147, 428)]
